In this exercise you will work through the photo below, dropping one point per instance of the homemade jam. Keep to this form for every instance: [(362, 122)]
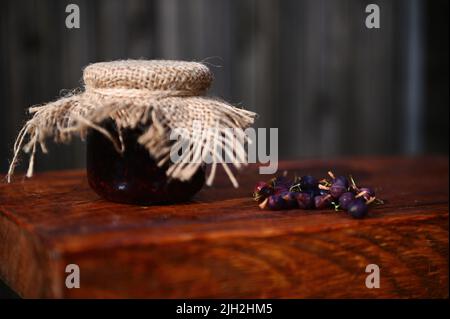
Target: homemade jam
[(133, 176)]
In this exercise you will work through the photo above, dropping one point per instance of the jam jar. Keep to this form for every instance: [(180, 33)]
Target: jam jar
[(133, 176)]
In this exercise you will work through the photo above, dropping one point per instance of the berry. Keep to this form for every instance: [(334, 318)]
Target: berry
[(336, 190), (281, 182), (307, 193), (357, 208), (262, 191), (341, 180), (275, 202), (290, 199), (280, 190), (312, 192), (260, 186), (345, 200), (305, 200), (308, 183), (322, 201)]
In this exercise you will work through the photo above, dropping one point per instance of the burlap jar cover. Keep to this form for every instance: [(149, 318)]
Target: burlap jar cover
[(167, 94)]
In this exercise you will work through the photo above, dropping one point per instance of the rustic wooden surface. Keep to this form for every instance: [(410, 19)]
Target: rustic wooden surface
[(222, 245)]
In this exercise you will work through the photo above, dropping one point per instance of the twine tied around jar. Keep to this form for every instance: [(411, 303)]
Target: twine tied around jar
[(162, 94)]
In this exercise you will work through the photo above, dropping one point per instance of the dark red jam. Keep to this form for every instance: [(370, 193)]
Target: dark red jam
[(133, 177)]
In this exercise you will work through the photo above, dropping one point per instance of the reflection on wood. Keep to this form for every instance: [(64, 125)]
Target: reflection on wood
[(222, 245)]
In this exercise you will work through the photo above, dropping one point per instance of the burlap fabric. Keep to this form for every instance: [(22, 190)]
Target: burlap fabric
[(167, 94)]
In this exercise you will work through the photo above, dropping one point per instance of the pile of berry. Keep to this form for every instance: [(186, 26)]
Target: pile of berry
[(308, 193)]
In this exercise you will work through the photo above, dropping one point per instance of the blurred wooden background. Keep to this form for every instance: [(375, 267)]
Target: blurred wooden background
[(310, 68)]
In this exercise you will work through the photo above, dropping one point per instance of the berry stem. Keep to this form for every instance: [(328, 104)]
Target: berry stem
[(330, 173), (360, 194), (264, 204), (336, 206), (324, 182), (371, 200), (353, 184)]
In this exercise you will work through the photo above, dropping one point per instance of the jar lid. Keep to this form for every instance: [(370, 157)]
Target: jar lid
[(163, 95), (149, 74)]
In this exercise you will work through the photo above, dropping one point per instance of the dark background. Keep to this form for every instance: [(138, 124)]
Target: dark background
[(310, 68)]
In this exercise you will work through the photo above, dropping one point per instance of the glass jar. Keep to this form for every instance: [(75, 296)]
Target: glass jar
[(133, 176)]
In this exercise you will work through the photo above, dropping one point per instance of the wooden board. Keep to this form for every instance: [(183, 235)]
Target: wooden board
[(222, 245)]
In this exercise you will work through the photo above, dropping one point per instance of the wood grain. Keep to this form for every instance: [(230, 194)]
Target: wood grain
[(222, 245)]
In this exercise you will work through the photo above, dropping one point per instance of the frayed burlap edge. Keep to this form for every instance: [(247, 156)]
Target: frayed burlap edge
[(167, 110)]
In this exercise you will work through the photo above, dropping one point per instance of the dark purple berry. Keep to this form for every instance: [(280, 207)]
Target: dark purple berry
[(357, 208), (312, 192), (281, 182), (308, 183), (262, 191), (275, 202), (322, 201), (345, 200), (290, 199), (280, 190), (336, 190), (304, 200), (341, 180), (259, 186)]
